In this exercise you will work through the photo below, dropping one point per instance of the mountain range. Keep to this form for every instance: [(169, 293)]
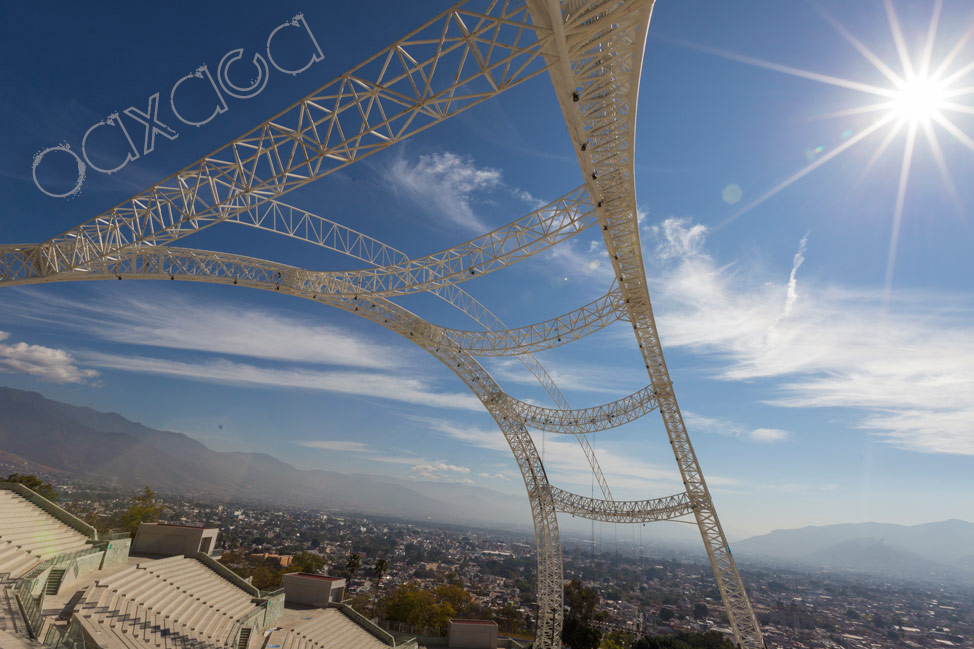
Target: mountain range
[(41, 435), (925, 551)]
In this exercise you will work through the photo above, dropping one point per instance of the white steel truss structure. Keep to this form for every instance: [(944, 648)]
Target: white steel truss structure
[(592, 51)]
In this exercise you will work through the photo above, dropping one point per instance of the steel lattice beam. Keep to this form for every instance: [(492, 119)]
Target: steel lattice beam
[(587, 420), (160, 263), (498, 340), (595, 60), (455, 61), (296, 223), (558, 221), (593, 50), (622, 511)]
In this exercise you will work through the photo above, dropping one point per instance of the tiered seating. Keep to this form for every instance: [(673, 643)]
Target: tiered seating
[(29, 535), (329, 630), (171, 603)]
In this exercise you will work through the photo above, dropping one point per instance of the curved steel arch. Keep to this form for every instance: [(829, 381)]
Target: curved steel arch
[(162, 263), (622, 511), (455, 61), (543, 228), (281, 218), (586, 420), (296, 223), (595, 57), (593, 50)]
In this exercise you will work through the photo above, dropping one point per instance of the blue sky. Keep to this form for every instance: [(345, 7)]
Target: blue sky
[(825, 375)]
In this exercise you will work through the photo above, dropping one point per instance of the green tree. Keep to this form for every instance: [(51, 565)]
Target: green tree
[(144, 509), (35, 484), (700, 610), (510, 620), (683, 640), (579, 631), (379, 571), (412, 606), (352, 565), (666, 614), (453, 596), (306, 562), (428, 612), (618, 640), (264, 574)]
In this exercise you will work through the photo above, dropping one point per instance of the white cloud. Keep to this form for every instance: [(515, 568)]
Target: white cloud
[(441, 472), (336, 445), (732, 429), (367, 452), (908, 368), (445, 183), (768, 434), (366, 384), (55, 365), (492, 439), (533, 201), (574, 259), (440, 466), (575, 376), (494, 476), (567, 466), (792, 294), (177, 323), (626, 474)]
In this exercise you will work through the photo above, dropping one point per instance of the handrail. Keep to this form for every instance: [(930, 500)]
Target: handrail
[(226, 573), (57, 512), (365, 623)]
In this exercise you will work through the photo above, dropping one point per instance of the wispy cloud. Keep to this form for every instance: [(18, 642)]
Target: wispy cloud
[(732, 429), (908, 370), (494, 476), (50, 364), (336, 445), (567, 467), (366, 384), (446, 183), (582, 377), (218, 328), (367, 452), (441, 471), (451, 185), (578, 259), (487, 438)]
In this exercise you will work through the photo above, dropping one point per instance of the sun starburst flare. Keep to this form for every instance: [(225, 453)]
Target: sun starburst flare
[(920, 100)]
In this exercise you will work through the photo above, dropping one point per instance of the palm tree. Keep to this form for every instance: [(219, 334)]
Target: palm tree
[(354, 563), (380, 569)]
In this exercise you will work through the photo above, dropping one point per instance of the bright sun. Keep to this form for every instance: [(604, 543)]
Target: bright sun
[(919, 100)]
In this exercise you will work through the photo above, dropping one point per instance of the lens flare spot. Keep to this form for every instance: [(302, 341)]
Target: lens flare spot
[(732, 193)]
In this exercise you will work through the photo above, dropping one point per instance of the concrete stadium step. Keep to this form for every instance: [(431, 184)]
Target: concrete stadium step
[(20, 565), (20, 526)]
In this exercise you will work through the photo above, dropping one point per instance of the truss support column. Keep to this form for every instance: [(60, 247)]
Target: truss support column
[(595, 59)]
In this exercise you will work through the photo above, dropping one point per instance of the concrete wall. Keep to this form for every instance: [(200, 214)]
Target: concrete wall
[(470, 634), (116, 553), (312, 590), (275, 608), (157, 538), (80, 567)]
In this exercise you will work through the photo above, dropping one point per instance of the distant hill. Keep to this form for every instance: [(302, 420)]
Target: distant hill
[(930, 550), (39, 433)]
